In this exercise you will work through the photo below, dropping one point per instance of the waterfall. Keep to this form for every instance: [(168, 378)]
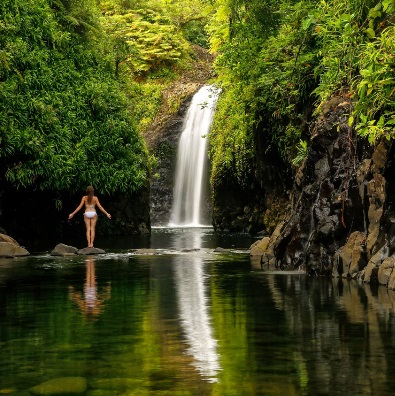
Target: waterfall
[(192, 159)]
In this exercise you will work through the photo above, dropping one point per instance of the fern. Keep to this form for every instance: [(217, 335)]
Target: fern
[(302, 150)]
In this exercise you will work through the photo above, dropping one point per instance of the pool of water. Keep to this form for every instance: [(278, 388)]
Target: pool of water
[(186, 320)]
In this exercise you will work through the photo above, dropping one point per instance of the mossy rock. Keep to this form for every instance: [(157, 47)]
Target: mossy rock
[(115, 384)]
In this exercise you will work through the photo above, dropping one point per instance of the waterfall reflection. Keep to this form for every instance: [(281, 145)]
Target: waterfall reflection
[(193, 302), (90, 301)]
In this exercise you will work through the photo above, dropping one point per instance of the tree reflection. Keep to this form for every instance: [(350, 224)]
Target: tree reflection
[(90, 301), (344, 328)]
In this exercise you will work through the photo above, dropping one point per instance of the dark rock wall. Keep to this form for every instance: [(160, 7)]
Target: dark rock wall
[(34, 219), (29, 216), (325, 203), (341, 218), (243, 208), (236, 209)]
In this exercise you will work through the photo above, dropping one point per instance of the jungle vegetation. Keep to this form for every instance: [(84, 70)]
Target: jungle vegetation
[(278, 62), (80, 80)]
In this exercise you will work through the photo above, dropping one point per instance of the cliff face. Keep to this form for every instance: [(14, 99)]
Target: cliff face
[(260, 202), (341, 216)]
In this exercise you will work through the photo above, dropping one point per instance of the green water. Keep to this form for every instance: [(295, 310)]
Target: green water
[(184, 320)]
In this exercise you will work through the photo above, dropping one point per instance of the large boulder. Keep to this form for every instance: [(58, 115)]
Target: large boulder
[(258, 248), (9, 247), (7, 238)]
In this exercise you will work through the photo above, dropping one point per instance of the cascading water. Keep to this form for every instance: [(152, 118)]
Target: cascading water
[(192, 160)]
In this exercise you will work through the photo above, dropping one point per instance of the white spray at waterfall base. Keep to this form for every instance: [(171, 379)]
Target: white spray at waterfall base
[(192, 159)]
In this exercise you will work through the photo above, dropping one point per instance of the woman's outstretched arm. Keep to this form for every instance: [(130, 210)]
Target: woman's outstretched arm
[(78, 208), (102, 209)]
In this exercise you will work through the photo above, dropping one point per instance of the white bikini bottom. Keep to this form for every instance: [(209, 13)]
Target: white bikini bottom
[(90, 215)]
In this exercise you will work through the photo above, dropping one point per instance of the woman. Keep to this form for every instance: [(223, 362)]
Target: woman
[(90, 215)]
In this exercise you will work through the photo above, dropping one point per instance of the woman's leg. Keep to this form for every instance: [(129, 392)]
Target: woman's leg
[(88, 230), (93, 228)]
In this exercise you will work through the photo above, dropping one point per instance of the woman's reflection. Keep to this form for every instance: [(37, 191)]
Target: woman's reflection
[(90, 301)]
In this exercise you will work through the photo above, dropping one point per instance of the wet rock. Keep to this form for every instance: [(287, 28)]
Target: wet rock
[(258, 248), (130, 214), (88, 251), (327, 226), (61, 386), (63, 250), (269, 257), (385, 272), (115, 384), (316, 224), (342, 215), (9, 247), (372, 269), (350, 258), (7, 238), (376, 193), (391, 280), (370, 273)]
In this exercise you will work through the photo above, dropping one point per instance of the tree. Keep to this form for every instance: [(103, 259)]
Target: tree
[(65, 122)]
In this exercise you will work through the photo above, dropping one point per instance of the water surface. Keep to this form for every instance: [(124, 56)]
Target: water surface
[(185, 320)]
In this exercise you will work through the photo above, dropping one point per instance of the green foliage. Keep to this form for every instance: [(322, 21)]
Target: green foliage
[(301, 153), (357, 58), (230, 141), (194, 32), (146, 41), (64, 119), (280, 61), (266, 58), (375, 104)]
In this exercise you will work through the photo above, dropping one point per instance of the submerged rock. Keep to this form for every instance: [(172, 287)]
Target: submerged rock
[(61, 386), (115, 384)]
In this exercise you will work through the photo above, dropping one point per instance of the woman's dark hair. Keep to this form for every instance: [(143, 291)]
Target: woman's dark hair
[(90, 192)]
